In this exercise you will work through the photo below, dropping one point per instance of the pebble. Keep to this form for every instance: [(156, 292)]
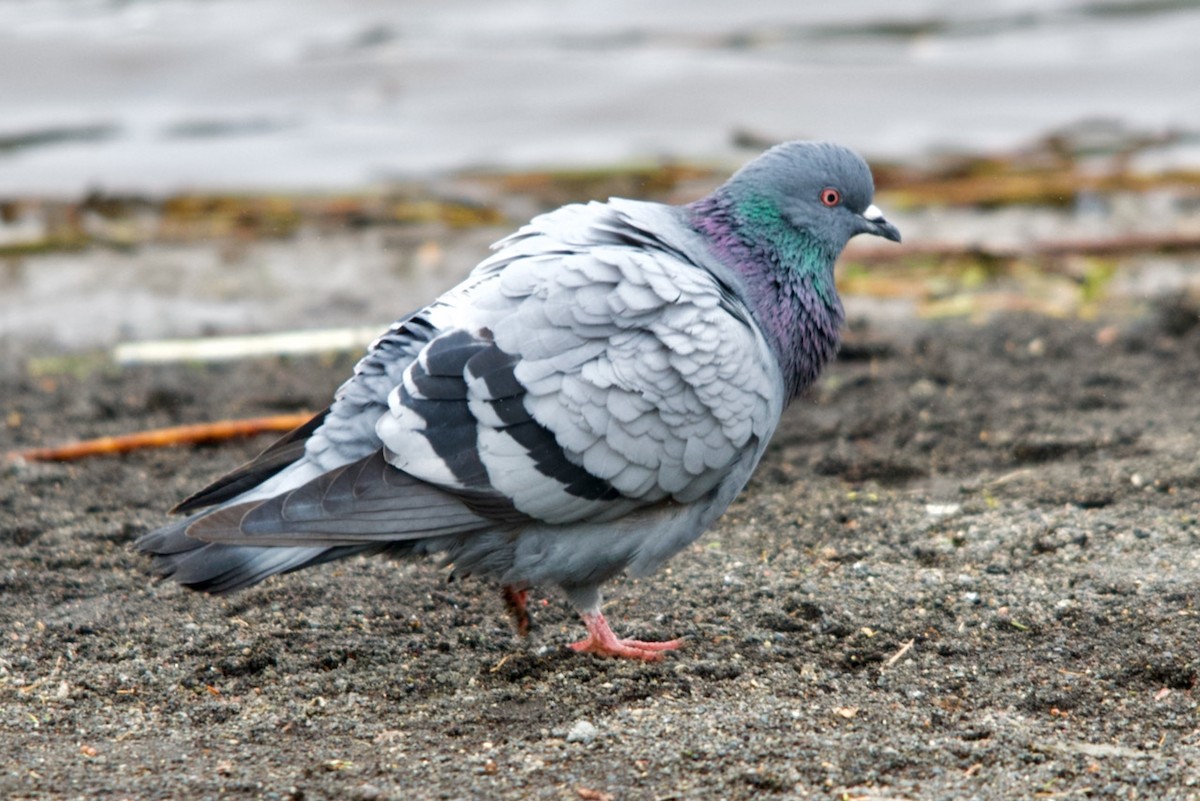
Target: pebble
[(923, 388), (582, 732)]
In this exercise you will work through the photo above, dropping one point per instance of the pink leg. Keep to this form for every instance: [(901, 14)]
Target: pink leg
[(514, 601), (602, 642)]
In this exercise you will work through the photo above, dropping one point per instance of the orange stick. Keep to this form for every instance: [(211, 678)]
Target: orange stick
[(164, 437)]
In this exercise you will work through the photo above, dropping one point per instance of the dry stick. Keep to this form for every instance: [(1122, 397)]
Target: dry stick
[(164, 437), (1117, 246), (904, 649)]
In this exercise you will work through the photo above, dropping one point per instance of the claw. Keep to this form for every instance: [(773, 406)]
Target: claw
[(601, 641)]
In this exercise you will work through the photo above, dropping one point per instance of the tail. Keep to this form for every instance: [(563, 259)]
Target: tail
[(300, 517), (218, 569)]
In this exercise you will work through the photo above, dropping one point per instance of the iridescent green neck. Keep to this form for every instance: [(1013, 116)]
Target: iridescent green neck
[(788, 275), (795, 253)]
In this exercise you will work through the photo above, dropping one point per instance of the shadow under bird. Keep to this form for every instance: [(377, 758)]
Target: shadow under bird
[(586, 403)]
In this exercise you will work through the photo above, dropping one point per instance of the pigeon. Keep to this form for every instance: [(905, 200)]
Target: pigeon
[(585, 404)]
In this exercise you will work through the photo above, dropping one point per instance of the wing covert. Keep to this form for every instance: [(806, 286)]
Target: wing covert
[(586, 382)]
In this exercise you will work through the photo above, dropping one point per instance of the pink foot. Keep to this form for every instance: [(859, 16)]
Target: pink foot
[(602, 642), (514, 601)]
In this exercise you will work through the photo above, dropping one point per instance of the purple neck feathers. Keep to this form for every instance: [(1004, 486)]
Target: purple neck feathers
[(788, 278)]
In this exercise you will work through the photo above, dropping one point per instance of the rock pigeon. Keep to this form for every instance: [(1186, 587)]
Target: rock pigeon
[(586, 403)]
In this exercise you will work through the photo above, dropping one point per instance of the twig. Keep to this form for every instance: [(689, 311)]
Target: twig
[(1006, 183), (896, 657), (1116, 246), (163, 437), (1007, 477)]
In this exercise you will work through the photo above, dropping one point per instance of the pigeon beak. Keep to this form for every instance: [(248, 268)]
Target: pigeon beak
[(877, 225)]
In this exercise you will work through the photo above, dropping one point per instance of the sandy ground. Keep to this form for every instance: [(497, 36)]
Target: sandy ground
[(967, 569)]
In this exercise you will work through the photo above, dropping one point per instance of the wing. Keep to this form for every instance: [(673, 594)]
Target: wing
[(590, 375), (281, 453)]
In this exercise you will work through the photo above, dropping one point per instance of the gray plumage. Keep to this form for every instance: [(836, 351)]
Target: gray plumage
[(587, 402)]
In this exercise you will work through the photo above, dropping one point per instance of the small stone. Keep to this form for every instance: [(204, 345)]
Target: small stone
[(931, 576), (1108, 335), (582, 732), (942, 509), (924, 388)]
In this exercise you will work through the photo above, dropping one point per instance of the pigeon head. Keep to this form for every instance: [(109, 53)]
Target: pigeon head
[(821, 190), (780, 223)]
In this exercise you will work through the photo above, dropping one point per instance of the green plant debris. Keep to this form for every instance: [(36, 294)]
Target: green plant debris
[(962, 287), (73, 365), (1096, 277)]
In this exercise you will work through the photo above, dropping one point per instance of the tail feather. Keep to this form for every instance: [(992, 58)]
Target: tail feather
[(363, 507), (219, 569)]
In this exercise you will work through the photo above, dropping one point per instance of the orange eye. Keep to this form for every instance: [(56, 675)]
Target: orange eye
[(830, 196)]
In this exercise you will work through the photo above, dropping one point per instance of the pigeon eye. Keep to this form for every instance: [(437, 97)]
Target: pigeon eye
[(830, 196)]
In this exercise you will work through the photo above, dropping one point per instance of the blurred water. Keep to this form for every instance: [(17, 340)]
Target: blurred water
[(164, 95)]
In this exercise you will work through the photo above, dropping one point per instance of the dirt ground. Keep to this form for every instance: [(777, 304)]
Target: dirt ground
[(969, 568)]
